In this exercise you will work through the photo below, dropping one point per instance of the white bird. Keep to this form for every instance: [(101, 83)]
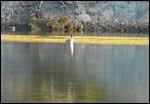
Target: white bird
[(69, 44), (70, 41)]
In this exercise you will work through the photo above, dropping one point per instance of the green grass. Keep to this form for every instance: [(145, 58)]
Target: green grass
[(77, 39)]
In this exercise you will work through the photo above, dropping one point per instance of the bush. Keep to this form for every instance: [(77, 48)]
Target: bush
[(64, 20), (33, 20), (75, 25), (79, 28), (54, 24)]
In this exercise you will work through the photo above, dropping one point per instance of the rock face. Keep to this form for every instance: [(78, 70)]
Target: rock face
[(18, 12)]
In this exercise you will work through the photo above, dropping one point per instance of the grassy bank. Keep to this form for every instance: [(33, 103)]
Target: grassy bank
[(77, 39)]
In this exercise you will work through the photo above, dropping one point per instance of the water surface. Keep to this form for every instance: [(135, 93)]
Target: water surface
[(44, 72)]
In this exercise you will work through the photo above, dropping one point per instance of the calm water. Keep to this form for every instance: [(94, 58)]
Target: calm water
[(38, 72)]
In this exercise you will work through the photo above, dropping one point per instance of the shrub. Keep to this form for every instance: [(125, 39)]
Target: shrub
[(64, 20), (54, 24), (75, 25), (32, 20), (79, 28)]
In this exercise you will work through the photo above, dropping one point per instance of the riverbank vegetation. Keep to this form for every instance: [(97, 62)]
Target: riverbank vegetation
[(78, 39), (62, 24)]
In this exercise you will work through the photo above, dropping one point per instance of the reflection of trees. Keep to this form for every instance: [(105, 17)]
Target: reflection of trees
[(40, 76), (47, 77), (93, 94), (39, 73), (52, 88), (54, 80)]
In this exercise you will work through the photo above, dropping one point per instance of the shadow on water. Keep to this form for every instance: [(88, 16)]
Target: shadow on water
[(62, 33)]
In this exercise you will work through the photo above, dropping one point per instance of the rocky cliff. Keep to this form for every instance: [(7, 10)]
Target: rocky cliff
[(104, 12)]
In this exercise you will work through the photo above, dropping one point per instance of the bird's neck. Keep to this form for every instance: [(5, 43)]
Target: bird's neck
[(71, 35)]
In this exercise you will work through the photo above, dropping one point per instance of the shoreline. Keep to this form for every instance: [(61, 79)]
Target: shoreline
[(77, 39), (101, 26)]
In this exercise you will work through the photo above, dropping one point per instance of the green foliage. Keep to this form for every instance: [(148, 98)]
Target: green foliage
[(64, 20), (69, 26), (47, 22), (75, 24), (54, 24), (79, 28), (34, 27), (33, 20)]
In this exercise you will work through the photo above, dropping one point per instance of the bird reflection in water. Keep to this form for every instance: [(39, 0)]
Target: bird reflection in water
[(70, 43)]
